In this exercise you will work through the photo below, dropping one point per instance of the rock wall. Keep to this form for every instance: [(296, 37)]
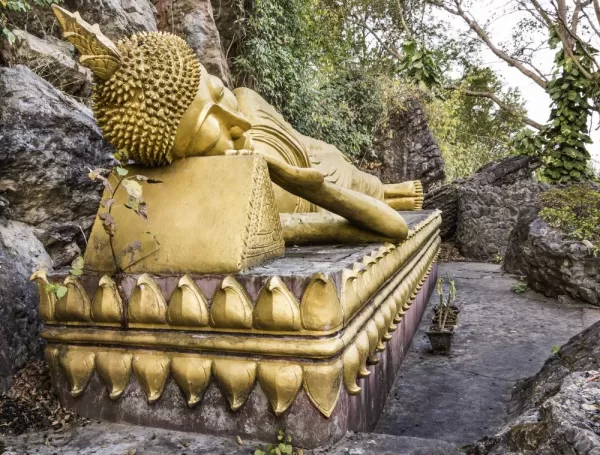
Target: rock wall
[(480, 211), (408, 151), (555, 411), (550, 262)]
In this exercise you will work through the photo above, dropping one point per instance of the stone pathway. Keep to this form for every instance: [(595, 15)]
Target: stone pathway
[(437, 403), (502, 337)]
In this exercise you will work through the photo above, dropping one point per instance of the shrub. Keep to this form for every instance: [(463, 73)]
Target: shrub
[(574, 210)]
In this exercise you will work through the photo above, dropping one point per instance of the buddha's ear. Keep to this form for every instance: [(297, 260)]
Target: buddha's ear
[(98, 52)]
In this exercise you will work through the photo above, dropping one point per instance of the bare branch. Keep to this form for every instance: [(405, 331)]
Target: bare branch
[(473, 25), (501, 104), (388, 49)]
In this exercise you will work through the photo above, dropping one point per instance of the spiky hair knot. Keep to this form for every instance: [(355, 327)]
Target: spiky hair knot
[(139, 108)]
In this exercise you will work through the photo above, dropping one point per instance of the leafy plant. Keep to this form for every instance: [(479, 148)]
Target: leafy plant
[(18, 6), (446, 299), (131, 185), (574, 210), (282, 447), (520, 288)]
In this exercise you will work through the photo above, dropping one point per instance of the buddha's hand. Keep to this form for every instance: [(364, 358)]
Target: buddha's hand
[(284, 174)]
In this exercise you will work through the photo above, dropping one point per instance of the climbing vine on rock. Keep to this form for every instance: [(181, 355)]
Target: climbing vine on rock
[(562, 141)]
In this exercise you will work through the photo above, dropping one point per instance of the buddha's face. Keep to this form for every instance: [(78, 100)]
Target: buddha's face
[(212, 124)]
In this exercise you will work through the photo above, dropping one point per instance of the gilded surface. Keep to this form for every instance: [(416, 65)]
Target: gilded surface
[(156, 104), (355, 348)]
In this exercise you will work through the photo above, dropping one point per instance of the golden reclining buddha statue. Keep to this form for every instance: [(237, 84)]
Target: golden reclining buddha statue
[(157, 105)]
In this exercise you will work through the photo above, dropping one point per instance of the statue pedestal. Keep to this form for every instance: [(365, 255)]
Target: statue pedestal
[(310, 341)]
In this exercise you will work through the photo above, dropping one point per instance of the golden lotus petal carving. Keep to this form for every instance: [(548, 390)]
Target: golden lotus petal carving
[(51, 355), (276, 307), (320, 307), (107, 305), (231, 307), (147, 304), (281, 383), (235, 379), (75, 305), (47, 299), (114, 368), (381, 329), (322, 383), (351, 301), (151, 371), (192, 375), (78, 366), (351, 359), (373, 334), (362, 281), (187, 306), (371, 276), (362, 344)]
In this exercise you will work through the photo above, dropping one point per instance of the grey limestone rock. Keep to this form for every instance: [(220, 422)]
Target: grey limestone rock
[(408, 150), (479, 211), (53, 60), (194, 21), (48, 142), (550, 262), (557, 411)]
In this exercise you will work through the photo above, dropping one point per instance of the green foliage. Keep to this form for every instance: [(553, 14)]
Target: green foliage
[(57, 289), (419, 66), (18, 6), (473, 131), (574, 210), (282, 447), (520, 288), (562, 142)]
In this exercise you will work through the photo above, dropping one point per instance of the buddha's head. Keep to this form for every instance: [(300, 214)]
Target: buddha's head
[(152, 99)]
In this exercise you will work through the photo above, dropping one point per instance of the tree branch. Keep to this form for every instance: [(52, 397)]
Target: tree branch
[(389, 50), (501, 104), (473, 25)]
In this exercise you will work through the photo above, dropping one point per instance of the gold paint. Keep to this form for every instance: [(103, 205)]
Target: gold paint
[(114, 368), (351, 359), (276, 307), (147, 304), (107, 305), (317, 348), (373, 335), (235, 378), (362, 344), (192, 375), (78, 366), (381, 330), (323, 384), (187, 306), (151, 371), (231, 306), (320, 307), (47, 299), (281, 383), (75, 305), (351, 301), (51, 356)]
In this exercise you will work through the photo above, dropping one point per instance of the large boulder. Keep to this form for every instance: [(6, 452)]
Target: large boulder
[(550, 262), (52, 59), (194, 21), (489, 185), (117, 18), (487, 215), (556, 411), (20, 254), (408, 151), (48, 143)]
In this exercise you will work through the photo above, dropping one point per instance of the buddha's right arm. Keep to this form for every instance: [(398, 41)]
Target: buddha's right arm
[(361, 210)]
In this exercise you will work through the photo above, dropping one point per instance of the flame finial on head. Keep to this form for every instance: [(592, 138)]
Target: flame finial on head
[(98, 52)]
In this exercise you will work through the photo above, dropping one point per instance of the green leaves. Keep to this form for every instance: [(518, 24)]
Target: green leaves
[(77, 266), (282, 447), (57, 289)]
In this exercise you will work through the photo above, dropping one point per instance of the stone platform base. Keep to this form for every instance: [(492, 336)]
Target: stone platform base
[(310, 342), (255, 419)]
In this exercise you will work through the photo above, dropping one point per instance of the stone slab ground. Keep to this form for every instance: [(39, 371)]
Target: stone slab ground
[(437, 403)]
